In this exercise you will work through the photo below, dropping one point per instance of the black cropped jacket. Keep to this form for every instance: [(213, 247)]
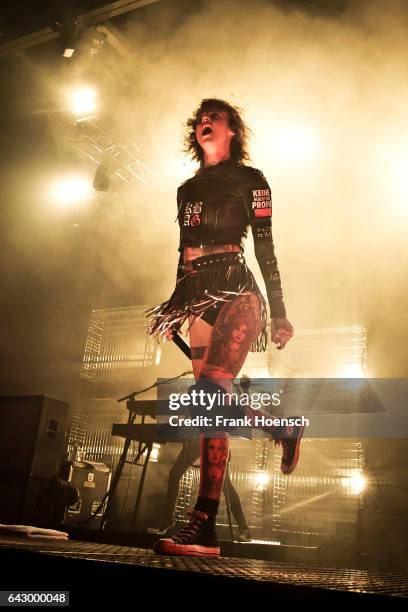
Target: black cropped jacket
[(217, 205)]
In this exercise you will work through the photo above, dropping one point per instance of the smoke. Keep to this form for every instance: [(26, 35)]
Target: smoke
[(325, 96), (326, 99)]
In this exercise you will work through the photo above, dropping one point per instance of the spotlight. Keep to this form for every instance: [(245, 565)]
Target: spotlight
[(261, 479), (70, 190), (66, 24), (83, 101), (158, 355), (154, 455), (352, 370), (355, 484)]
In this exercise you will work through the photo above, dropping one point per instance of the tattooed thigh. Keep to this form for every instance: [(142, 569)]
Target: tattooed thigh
[(197, 352), (237, 326)]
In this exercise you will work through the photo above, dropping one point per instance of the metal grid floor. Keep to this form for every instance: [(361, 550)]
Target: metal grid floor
[(346, 580)]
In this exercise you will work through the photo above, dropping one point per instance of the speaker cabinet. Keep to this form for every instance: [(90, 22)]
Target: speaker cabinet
[(32, 436)]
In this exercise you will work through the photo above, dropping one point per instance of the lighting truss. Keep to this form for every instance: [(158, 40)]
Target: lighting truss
[(122, 159), (85, 20)]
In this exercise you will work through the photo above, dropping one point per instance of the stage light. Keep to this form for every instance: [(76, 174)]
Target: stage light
[(267, 542), (355, 484), (154, 455), (352, 370), (71, 190), (65, 21), (83, 101), (261, 479), (158, 356)]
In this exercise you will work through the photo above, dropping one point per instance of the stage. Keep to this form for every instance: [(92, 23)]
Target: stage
[(95, 572), (167, 161)]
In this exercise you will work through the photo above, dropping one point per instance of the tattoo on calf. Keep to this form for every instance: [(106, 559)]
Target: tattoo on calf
[(214, 457)]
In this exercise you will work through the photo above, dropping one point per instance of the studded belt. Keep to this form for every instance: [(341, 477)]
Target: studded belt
[(209, 261)]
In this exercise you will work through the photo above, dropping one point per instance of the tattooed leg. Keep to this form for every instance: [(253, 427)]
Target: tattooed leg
[(235, 328), (211, 476), (197, 352), (214, 457)]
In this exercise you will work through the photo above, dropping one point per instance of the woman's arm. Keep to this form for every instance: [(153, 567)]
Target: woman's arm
[(259, 207)]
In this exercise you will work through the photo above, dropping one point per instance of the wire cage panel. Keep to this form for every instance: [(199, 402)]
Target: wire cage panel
[(117, 341)]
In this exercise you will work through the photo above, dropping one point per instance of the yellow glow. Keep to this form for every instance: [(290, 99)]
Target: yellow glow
[(254, 371), (295, 143), (393, 157), (400, 171), (267, 542), (70, 190), (261, 479), (180, 167), (355, 484), (154, 455), (352, 370), (82, 101)]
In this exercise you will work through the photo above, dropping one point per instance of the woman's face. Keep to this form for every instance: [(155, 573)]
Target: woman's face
[(239, 333), (213, 128), (216, 451)]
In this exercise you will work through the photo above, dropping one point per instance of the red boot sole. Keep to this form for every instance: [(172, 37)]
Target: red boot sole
[(168, 547)]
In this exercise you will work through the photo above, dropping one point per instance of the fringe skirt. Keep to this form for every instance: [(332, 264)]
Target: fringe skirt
[(205, 283)]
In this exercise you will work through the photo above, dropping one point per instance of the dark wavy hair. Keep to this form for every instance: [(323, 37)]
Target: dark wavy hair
[(241, 131)]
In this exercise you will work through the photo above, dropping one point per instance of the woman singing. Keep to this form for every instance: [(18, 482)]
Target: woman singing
[(218, 295)]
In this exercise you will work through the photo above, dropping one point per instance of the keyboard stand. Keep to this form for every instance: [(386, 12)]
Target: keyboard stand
[(148, 446)]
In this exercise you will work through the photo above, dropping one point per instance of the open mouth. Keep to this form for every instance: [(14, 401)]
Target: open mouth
[(207, 130)]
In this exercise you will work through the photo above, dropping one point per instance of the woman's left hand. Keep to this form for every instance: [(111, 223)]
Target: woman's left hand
[(281, 332)]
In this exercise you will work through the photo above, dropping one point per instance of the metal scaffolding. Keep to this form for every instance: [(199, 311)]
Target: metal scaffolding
[(117, 340)]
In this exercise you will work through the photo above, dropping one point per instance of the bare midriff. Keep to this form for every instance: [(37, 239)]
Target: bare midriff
[(191, 253)]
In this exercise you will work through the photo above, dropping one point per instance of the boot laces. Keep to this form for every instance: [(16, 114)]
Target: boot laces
[(191, 530)]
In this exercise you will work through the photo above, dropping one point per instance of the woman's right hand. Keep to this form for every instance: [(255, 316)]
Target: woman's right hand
[(169, 334), (281, 332)]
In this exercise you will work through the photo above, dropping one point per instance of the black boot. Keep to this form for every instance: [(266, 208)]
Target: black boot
[(289, 438), (197, 539)]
